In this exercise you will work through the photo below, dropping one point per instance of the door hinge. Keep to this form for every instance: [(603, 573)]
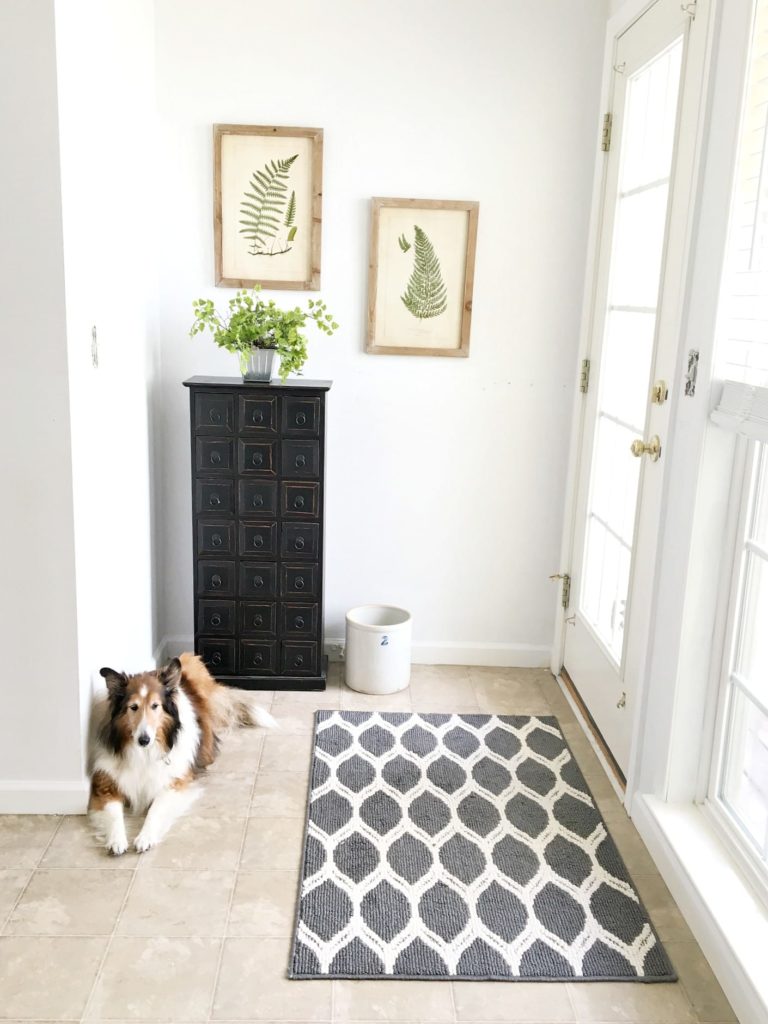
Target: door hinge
[(584, 377), (607, 127), (565, 595)]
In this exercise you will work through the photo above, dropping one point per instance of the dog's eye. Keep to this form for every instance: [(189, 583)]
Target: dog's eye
[(155, 706), (134, 707)]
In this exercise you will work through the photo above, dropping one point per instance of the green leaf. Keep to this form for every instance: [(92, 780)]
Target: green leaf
[(426, 295), (263, 205), (292, 233)]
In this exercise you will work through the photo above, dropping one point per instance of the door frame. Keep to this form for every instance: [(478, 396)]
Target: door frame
[(699, 61)]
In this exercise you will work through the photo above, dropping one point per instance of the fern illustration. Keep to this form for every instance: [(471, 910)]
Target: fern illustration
[(426, 295), (404, 244), (290, 213), (263, 206)]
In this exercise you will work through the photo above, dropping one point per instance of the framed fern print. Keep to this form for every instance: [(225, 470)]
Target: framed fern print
[(421, 276), (267, 206)]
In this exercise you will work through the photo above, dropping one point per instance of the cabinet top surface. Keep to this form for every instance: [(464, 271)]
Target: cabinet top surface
[(295, 384)]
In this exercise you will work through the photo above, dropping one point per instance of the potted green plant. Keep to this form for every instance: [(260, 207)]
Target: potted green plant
[(258, 331)]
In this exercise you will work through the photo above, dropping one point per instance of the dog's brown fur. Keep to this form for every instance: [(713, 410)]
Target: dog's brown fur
[(143, 749)]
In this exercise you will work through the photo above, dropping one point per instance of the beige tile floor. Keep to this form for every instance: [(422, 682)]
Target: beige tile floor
[(199, 928)]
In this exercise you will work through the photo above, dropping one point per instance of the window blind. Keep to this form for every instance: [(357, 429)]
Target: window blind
[(743, 334), (743, 408)]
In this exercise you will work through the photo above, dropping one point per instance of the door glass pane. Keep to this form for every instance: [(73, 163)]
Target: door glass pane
[(745, 778), (626, 356)]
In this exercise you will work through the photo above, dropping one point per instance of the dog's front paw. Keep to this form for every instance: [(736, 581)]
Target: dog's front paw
[(117, 845), (144, 841)]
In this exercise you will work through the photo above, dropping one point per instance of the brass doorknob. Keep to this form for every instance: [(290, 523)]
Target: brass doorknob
[(652, 449)]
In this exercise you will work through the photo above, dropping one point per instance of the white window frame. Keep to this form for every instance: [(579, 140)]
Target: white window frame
[(732, 597)]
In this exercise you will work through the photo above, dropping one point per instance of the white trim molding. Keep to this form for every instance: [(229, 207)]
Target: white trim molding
[(438, 652), (43, 796), (728, 921)]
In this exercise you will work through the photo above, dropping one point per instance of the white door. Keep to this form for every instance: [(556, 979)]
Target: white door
[(633, 347)]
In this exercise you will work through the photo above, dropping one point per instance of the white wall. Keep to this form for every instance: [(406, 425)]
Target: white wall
[(107, 133), (445, 477), (77, 103), (40, 714)]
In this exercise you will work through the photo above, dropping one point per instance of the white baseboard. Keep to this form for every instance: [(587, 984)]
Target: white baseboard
[(449, 652), (445, 652), (716, 902), (44, 796)]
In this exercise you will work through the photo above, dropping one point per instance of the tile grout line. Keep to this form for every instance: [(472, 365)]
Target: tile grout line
[(97, 977), (246, 820), (32, 871), (453, 1001)]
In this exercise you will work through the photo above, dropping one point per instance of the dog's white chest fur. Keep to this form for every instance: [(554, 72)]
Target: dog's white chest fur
[(142, 773)]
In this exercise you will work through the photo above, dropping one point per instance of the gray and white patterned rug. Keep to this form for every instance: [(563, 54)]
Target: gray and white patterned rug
[(461, 846)]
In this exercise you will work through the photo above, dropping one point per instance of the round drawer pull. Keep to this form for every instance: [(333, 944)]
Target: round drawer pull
[(258, 620), (257, 459), (299, 583), (216, 540), (216, 580), (299, 622), (258, 582), (215, 458), (301, 461), (258, 541), (216, 657), (258, 658), (298, 501), (214, 416), (214, 500), (258, 416), (298, 661), (299, 543), (258, 501), (301, 419), (215, 620)]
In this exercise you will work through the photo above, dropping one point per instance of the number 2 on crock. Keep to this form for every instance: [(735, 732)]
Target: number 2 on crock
[(384, 641)]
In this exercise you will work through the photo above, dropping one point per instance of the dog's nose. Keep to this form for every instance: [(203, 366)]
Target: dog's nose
[(143, 739)]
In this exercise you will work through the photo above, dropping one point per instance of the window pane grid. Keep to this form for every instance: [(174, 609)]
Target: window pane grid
[(743, 773)]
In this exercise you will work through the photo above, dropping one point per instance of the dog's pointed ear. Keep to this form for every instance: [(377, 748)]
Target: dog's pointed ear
[(116, 681), (170, 675)]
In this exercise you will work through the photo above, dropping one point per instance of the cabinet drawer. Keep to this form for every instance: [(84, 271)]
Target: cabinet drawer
[(258, 656), (215, 538), (218, 655), (299, 500), (259, 539), (257, 458), (258, 618), (214, 414), (257, 498), (258, 579), (300, 540), (214, 455), (257, 415), (298, 658), (301, 417), (216, 617), (299, 619), (216, 496), (216, 578), (300, 459), (299, 581)]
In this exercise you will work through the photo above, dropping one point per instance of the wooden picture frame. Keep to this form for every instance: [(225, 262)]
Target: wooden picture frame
[(421, 276), (268, 189)]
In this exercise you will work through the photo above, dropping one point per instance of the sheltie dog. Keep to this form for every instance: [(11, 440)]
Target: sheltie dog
[(153, 735)]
